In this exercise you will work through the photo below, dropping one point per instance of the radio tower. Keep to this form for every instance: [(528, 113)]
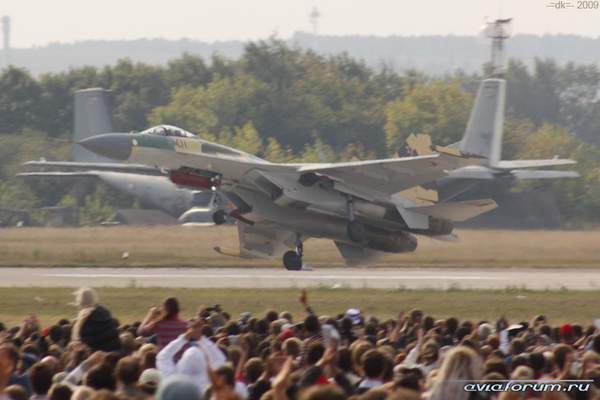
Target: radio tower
[(498, 30), (314, 20), (6, 38)]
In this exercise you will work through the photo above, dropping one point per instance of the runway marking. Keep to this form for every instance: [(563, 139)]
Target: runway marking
[(279, 276)]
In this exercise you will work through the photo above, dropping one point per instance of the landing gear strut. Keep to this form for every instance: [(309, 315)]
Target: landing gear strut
[(292, 260), (219, 217)]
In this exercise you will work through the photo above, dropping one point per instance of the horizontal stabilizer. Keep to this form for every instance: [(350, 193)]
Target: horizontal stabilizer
[(58, 174), (515, 164), (457, 211), (541, 174)]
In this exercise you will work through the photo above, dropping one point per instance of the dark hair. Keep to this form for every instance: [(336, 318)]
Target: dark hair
[(232, 328), (560, 354), (228, 373), (311, 324), (409, 379), (128, 370), (40, 376), (171, 307), (519, 360), (345, 359), (537, 361), (596, 344), (271, 316), (517, 346), (60, 392), (100, 377), (496, 365), (451, 325), (12, 353), (56, 333), (314, 353), (373, 363), (253, 369)]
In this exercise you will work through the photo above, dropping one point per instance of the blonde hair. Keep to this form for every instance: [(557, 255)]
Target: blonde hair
[(86, 297), (461, 365)]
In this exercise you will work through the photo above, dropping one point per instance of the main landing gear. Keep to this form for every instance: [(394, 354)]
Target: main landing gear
[(292, 260)]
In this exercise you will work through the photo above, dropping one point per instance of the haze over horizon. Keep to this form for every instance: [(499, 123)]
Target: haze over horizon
[(66, 21)]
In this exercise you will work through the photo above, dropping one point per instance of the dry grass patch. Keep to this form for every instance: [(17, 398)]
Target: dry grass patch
[(193, 246)]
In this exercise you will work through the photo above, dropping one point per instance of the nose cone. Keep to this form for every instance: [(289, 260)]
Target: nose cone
[(112, 145)]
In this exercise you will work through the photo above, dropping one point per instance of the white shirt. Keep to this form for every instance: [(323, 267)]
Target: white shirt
[(193, 361)]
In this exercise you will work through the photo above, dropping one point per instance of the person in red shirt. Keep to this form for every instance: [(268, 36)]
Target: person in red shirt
[(163, 322)]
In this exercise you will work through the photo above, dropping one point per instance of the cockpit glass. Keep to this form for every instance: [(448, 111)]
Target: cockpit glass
[(168, 130)]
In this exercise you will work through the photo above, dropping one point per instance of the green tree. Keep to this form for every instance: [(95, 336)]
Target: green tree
[(19, 100), (440, 109)]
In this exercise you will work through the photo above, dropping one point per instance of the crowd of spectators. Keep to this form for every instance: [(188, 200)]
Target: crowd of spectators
[(278, 356)]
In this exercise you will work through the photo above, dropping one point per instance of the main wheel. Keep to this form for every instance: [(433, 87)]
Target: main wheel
[(292, 261), (219, 217), (356, 232)]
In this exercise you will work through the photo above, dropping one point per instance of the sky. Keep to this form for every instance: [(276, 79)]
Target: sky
[(39, 22)]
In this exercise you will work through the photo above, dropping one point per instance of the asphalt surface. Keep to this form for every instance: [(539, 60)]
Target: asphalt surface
[(409, 278)]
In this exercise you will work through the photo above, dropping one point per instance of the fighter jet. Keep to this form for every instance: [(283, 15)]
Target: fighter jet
[(148, 184), (366, 207)]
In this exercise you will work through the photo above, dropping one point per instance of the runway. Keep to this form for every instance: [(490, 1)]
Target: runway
[(408, 278)]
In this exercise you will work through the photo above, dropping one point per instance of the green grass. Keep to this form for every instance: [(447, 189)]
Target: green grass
[(129, 304)]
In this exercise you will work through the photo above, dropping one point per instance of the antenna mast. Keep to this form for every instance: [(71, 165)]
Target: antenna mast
[(498, 30)]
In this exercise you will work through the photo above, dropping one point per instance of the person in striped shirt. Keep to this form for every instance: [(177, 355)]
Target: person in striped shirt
[(163, 322)]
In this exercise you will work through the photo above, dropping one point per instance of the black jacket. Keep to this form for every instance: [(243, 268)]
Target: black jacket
[(99, 331)]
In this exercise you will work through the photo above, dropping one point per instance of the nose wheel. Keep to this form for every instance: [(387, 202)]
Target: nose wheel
[(292, 260)]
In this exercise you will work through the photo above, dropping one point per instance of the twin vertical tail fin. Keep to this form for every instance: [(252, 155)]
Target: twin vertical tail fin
[(92, 117), (483, 136)]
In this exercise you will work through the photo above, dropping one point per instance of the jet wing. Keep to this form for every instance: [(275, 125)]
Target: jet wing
[(60, 174), (133, 168), (542, 174), (514, 164), (457, 211), (388, 176), (258, 241)]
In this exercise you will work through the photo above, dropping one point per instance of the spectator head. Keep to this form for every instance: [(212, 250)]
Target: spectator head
[(314, 353), (561, 353), (253, 369), (286, 315), (596, 344), (16, 392), (9, 358), (170, 307), (128, 343), (178, 387), (271, 316), (409, 378), (128, 371), (522, 372), (484, 331), (292, 347), (567, 333), (224, 377), (148, 360), (40, 377), (83, 393), (56, 334), (517, 346), (323, 392), (100, 377), (51, 362), (344, 360), (373, 364), (451, 325), (86, 297), (537, 363), (60, 392), (149, 381), (518, 361), (312, 324), (460, 364), (496, 365)]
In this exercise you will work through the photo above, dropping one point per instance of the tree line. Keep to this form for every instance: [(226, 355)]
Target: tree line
[(285, 103)]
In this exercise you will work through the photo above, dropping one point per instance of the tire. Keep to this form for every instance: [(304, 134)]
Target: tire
[(219, 217), (356, 232), (292, 261)]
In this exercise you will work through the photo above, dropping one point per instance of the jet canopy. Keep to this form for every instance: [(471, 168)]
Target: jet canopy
[(168, 130)]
